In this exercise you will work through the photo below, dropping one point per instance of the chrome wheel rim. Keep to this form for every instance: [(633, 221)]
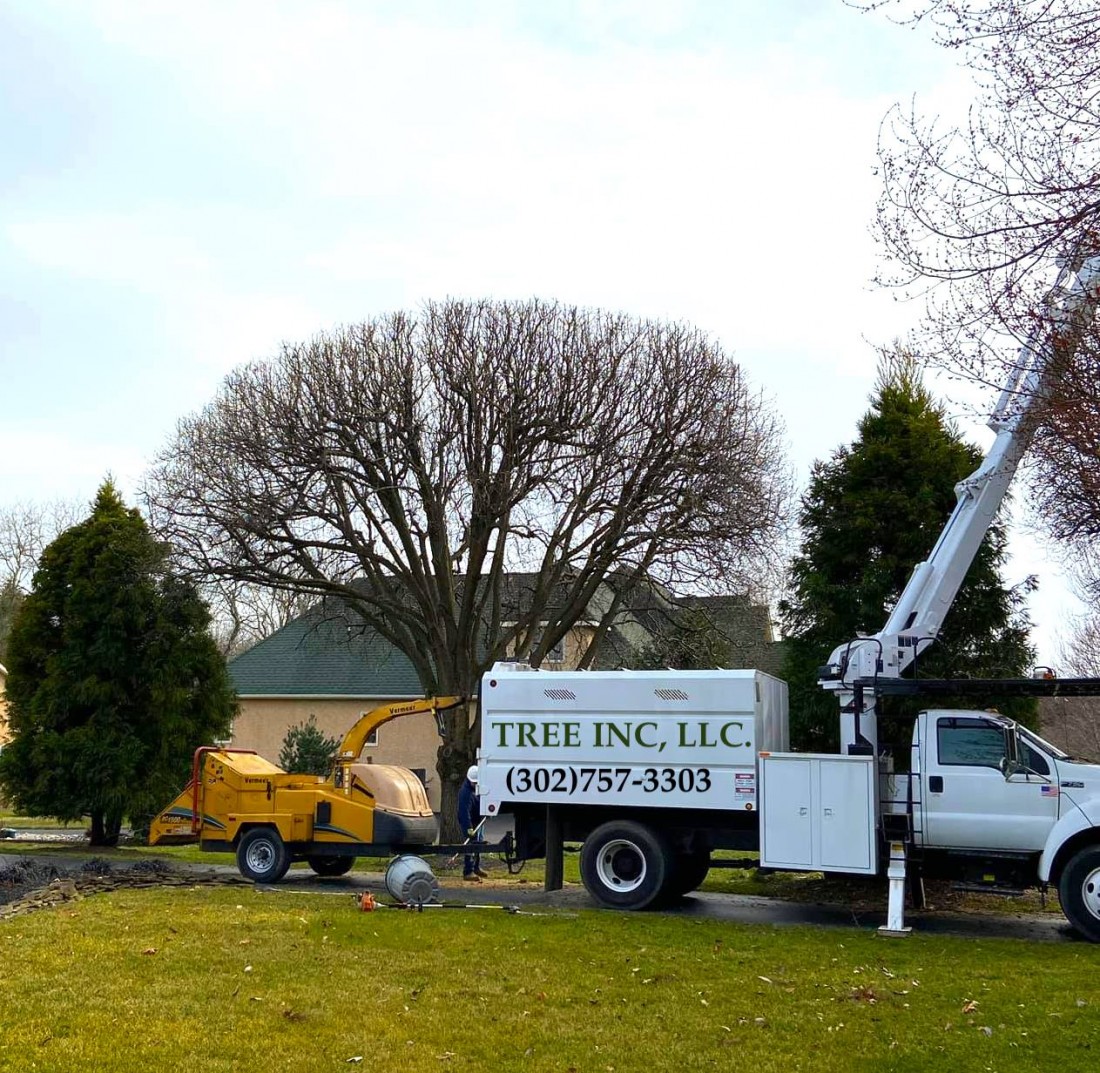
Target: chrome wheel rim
[(621, 866), (260, 856), (1090, 892)]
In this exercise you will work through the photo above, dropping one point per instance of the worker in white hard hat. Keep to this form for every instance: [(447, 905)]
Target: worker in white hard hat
[(469, 819)]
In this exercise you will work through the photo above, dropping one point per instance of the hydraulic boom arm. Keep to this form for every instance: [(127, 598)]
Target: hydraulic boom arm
[(917, 617)]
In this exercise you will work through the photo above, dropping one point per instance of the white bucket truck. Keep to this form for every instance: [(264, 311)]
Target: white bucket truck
[(651, 770), (654, 770)]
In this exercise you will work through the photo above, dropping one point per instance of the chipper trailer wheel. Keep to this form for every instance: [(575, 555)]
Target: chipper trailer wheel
[(261, 855), (626, 865)]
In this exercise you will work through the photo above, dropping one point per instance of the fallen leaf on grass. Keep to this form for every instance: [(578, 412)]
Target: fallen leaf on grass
[(446, 1056), (149, 950), (354, 1058), (969, 1006)]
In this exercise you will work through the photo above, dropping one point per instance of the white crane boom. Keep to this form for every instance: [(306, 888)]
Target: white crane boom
[(922, 607)]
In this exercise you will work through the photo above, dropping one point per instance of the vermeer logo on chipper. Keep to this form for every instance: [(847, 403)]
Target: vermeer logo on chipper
[(608, 734)]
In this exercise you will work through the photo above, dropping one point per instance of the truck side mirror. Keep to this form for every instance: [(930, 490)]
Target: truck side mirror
[(1010, 762)]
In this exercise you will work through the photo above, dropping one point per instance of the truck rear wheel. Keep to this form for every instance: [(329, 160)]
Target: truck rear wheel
[(262, 856), (330, 866), (1079, 892), (691, 870), (626, 865)]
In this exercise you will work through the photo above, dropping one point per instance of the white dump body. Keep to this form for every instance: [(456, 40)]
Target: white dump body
[(667, 739)]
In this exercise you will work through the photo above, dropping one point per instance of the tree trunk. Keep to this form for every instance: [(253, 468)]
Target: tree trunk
[(456, 753), (449, 830), (105, 829)]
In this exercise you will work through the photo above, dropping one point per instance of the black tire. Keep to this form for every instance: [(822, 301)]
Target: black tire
[(262, 856), (330, 866), (1079, 892), (626, 865), (690, 871)]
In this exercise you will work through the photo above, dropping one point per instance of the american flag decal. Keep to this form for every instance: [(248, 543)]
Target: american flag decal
[(1048, 791)]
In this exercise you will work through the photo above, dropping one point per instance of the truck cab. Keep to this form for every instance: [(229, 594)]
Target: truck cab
[(991, 802)]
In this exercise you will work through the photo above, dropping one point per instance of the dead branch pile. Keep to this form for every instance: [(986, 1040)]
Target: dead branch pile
[(27, 884)]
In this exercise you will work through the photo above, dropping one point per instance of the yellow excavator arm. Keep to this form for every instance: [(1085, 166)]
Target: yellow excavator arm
[(356, 738)]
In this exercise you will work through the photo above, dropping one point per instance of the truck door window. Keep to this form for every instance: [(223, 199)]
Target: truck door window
[(969, 742), (1033, 759)]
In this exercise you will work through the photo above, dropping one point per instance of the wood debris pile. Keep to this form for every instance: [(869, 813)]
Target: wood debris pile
[(27, 885)]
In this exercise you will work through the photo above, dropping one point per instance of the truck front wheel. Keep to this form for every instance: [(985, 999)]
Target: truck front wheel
[(262, 856), (626, 865), (1079, 892)]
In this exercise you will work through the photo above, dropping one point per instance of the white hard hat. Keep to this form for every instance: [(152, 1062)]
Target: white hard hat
[(471, 773)]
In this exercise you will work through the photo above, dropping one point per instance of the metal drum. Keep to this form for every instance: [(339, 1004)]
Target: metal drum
[(409, 879)]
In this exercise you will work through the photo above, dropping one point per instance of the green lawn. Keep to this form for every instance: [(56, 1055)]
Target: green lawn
[(10, 819), (234, 979), (794, 886)]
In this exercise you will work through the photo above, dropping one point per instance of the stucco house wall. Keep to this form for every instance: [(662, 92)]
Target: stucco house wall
[(410, 741), (5, 734)]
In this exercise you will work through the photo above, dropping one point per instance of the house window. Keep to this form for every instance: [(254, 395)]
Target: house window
[(372, 738)]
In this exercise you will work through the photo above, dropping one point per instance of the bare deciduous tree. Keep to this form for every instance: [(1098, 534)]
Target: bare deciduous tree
[(25, 531), (1073, 723), (404, 468), (973, 216), (1082, 655), (244, 614)]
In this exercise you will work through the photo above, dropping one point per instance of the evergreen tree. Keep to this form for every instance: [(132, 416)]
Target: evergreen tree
[(306, 751), (10, 598), (113, 680), (870, 515)]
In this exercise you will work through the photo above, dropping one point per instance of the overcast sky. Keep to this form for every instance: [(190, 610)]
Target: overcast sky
[(184, 186)]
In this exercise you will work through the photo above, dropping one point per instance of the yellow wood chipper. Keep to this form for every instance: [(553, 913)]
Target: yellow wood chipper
[(239, 802)]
